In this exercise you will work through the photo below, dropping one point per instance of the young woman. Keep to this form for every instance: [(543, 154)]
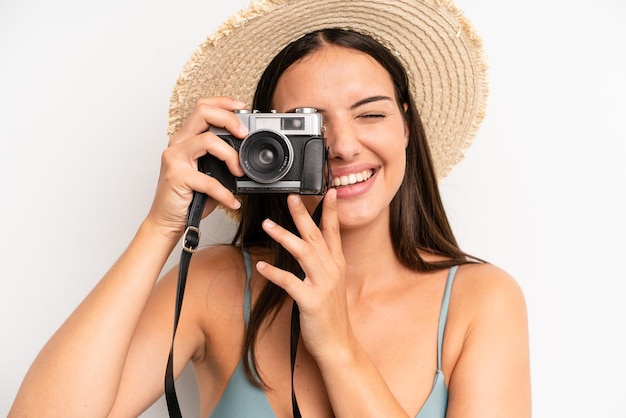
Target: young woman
[(395, 319)]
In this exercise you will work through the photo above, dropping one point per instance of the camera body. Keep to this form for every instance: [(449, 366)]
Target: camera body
[(283, 153)]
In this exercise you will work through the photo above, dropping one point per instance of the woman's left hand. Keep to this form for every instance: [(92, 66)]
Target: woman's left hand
[(321, 296)]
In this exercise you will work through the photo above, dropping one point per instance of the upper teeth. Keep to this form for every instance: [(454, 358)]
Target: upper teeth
[(352, 178)]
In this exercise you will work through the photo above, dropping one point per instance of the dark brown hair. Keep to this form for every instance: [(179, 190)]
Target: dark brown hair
[(417, 217)]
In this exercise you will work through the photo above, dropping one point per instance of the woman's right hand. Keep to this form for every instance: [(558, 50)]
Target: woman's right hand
[(102, 366), (180, 177)]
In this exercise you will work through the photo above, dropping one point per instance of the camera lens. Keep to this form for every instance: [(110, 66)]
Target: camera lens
[(266, 156)]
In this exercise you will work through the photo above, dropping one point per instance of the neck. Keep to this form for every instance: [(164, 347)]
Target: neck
[(370, 259)]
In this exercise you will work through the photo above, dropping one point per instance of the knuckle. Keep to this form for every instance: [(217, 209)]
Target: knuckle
[(284, 276), (315, 235), (201, 105), (300, 210), (201, 110), (306, 252), (167, 156), (332, 227), (341, 265)]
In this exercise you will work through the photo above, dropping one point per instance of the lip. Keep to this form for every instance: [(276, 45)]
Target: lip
[(358, 188)]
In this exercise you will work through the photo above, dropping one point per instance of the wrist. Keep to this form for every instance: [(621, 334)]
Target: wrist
[(340, 358), (159, 234)]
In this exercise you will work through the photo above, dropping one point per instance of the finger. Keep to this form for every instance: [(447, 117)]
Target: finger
[(302, 251), (209, 143), (188, 152), (215, 111), (290, 283), (202, 183), (309, 231), (309, 248), (330, 225), (180, 173)]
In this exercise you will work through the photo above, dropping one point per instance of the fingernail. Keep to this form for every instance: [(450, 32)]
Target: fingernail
[(261, 265), (243, 130), (236, 204), (268, 223)]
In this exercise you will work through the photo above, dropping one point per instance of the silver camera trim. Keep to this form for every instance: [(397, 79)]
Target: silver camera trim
[(312, 121)]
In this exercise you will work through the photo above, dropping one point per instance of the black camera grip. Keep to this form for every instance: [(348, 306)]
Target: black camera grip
[(217, 168)]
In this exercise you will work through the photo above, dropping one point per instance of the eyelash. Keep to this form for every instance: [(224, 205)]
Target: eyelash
[(373, 116)]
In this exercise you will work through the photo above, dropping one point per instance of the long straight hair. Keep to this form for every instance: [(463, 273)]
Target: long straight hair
[(418, 221)]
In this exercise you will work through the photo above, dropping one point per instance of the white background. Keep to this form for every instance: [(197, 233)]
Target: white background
[(84, 92)]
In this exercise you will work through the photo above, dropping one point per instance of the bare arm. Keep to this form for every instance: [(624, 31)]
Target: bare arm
[(491, 377), (79, 370)]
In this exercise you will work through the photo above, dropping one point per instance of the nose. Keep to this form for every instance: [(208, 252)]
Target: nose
[(342, 141)]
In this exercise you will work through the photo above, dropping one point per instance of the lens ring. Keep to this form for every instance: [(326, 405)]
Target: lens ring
[(266, 156)]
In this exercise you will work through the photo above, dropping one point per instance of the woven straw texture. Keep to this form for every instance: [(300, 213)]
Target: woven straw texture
[(435, 42)]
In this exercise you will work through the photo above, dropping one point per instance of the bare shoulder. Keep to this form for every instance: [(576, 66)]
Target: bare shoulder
[(216, 280), (216, 262), (487, 308), (485, 299), (214, 292), (216, 275), (212, 318), (487, 360), (483, 289)]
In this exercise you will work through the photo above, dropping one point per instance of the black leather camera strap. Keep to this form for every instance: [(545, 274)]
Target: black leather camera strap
[(190, 241)]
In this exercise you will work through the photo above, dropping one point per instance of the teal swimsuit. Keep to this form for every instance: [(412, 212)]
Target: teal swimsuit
[(242, 399)]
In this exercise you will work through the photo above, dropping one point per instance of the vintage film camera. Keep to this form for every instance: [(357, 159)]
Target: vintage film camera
[(283, 153)]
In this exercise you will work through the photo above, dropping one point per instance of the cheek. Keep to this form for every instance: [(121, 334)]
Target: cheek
[(401, 166), (396, 161), (394, 149)]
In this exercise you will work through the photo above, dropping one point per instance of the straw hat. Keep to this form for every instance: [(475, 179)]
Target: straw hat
[(435, 42)]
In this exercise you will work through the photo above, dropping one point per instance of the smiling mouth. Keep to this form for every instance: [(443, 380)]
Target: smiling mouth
[(353, 178)]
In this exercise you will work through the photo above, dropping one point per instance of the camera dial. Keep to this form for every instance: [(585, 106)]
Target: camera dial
[(306, 110)]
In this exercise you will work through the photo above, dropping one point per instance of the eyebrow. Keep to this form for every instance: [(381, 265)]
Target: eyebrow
[(358, 103), (369, 100)]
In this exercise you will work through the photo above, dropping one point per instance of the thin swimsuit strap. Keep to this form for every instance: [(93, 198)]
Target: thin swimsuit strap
[(436, 404), (443, 314)]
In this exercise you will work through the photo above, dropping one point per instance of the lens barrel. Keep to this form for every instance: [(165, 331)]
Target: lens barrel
[(266, 156)]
